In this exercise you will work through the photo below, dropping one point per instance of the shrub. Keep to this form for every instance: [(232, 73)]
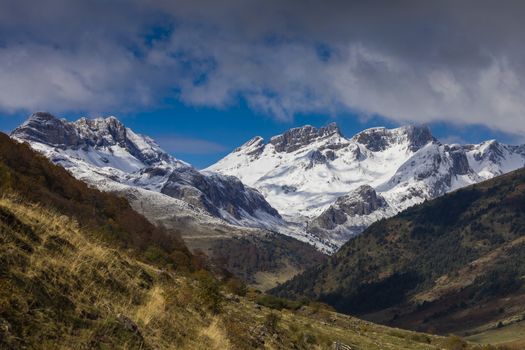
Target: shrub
[(209, 292), (455, 343), (271, 321), (278, 303), (236, 286), (421, 338)]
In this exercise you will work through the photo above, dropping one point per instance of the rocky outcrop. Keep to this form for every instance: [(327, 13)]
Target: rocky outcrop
[(460, 165), (363, 201), (379, 139), (296, 138), (254, 147), (45, 128), (418, 136), (213, 193)]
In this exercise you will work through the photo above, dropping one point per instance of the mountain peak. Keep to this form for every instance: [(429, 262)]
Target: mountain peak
[(253, 147), (103, 131), (86, 134), (418, 136), (42, 116), (296, 138), (332, 129), (45, 128)]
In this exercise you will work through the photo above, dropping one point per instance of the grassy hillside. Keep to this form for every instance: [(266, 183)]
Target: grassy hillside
[(34, 179), (62, 288), (272, 257), (454, 264), (80, 269)]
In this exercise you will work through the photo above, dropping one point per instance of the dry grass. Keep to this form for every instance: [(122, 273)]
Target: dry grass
[(153, 307), (512, 336), (265, 280), (62, 289), (216, 336), (100, 288)]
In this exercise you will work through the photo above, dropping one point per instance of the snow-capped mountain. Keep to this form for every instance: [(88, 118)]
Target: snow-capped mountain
[(326, 186), (340, 185), (106, 154)]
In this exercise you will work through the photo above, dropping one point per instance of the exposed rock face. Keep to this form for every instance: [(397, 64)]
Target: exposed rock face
[(379, 139), (460, 164), (375, 139), (493, 152), (316, 157), (330, 154), (296, 138), (214, 192), (45, 128), (419, 136), (329, 219), (253, 147), (363, 201)]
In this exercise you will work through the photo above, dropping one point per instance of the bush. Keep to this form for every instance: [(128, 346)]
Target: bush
[(278, 303), (272, 321), (209, 292), (421, 338), (236, 286), (455, 343), (156, 255)]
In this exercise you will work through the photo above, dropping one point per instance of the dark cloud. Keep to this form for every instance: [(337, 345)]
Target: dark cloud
[(456, 61)]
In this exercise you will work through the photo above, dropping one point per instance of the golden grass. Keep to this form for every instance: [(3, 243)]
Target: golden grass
[(265, 280), (153, 307), (63, 288), (216, 336)]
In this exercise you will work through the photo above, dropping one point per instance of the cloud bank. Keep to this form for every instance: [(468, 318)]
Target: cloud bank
[(410, 61)]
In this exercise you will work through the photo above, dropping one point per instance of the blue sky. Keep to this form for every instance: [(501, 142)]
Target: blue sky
[(203, 77)]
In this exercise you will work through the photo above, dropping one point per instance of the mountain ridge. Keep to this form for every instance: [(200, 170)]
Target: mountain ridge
[(311, 168)]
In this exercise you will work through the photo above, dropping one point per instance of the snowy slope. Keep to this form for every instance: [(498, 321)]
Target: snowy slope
[(106, 154), (320, 177)]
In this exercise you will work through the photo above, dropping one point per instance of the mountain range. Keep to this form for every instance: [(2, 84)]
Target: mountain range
[(313, 184), (105, 153), (337, 186)]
